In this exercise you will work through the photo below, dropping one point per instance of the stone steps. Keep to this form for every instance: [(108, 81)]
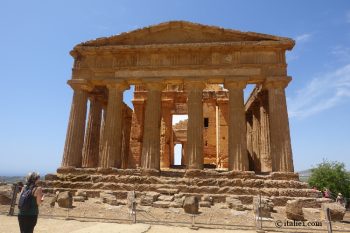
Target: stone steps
[(217, 198), (162, 188), (217, 182), (280, 187)]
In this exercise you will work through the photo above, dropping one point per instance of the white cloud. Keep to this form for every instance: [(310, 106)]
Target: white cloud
[(300, 40), (342, 53), (303, 38), (322, 93)]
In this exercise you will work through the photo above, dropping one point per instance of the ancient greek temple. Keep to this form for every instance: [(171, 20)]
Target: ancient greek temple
[(178, 68)]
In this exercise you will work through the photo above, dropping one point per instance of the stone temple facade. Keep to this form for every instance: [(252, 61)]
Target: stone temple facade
[(177, 68)]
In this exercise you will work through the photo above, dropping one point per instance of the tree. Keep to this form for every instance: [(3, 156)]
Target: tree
[(332, 175)]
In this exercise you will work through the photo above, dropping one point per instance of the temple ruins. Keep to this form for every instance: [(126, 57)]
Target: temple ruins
[(180, 68), (176, 68)]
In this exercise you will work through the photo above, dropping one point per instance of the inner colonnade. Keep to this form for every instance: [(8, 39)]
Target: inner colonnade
[(155, 61)]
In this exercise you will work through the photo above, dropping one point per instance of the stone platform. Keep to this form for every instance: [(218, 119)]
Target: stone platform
[(279, 187)]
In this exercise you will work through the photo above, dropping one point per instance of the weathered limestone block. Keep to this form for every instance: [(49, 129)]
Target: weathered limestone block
[(81, 193), (51, 177), (191, 205), (205, 204), (168, 191), (109, 198), (294, 210), (78, 199), (234, 203), (65, 200), (207, 198), (266, 207), (146, 201), (178, 202), (161, 204), (165, 198), (337, 211), (148, 198)]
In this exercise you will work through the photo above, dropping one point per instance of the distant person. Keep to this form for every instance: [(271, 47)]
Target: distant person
[(340, 199), (29, 201), (326, 193)]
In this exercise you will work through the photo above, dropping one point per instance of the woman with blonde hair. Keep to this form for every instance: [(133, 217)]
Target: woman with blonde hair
[(29, 201)]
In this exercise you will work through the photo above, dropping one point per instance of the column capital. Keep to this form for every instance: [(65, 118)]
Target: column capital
[(80, 84), (235, 84), (117, 85), (277, 82)]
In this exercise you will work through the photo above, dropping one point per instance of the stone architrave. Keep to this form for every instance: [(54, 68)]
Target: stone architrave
[(112, 133), (281, 151), (194, 145), (92, 136), (150, 158), (237, 138), (72, 156)]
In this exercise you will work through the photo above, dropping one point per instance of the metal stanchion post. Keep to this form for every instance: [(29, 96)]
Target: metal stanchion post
[(133, 207), (328, 220), (259, 217)]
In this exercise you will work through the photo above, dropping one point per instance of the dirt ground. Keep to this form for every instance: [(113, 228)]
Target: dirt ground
[(10, 225), (94, 216)]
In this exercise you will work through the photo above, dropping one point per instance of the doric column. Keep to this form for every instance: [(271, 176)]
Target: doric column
[(92, 135), (237, 138), (265, 155), (102, 127), (150, 158), (112, 133), (72, 155), (194, 145), (222, 119), (281, 151), (166, 131)]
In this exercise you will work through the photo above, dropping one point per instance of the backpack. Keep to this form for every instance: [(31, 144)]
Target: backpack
[(25, 200)]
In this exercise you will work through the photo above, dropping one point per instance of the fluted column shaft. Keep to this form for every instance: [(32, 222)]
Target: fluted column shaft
[(265, 155), (102, 127), (281, 151), (150, 158), (166, 131), (237, 137), (72, 156), (92, 135), (112, 133), (194, 147)]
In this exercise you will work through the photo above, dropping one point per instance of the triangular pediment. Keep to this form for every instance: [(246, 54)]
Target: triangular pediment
[(182, 32)]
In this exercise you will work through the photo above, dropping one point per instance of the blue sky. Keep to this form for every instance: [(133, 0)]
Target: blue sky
[(36, 37)]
